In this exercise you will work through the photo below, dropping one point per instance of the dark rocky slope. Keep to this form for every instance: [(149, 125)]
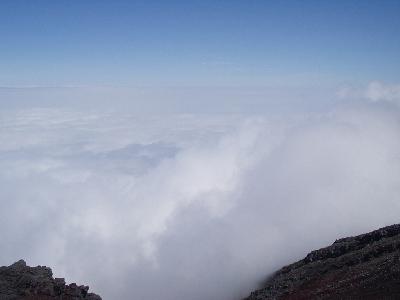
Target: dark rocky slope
[(21, 282), (361, 267)]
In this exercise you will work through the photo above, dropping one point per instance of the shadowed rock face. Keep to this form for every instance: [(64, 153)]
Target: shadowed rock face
[(361, 267), (21, 282)]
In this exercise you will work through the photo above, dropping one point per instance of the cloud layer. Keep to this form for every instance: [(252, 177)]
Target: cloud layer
[(190, 206), (374, 91)]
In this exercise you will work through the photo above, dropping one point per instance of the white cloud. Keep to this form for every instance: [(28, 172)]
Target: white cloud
[(190, 206), (374, 91), (378, 91)]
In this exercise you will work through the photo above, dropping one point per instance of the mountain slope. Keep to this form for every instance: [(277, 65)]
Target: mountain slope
[(361, 267)]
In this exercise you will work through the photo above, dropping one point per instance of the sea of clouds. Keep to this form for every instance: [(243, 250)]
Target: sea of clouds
[(193, 206)]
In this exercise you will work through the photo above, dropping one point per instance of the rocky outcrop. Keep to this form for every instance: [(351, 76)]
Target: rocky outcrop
[(361, 267), (21, 282)]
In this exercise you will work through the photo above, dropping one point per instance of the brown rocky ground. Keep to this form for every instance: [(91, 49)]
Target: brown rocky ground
[(21, 282), (361, 267)]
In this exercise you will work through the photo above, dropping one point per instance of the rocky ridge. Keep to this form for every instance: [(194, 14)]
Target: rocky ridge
[(361, 267), (21, 282)]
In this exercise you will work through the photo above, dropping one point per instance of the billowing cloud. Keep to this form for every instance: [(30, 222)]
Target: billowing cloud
[(190, 206)]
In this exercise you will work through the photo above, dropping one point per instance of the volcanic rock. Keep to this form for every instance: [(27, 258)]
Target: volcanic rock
[(361, 267), (21, 282)]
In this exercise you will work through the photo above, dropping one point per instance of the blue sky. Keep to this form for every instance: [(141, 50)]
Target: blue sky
[(198, 43)]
